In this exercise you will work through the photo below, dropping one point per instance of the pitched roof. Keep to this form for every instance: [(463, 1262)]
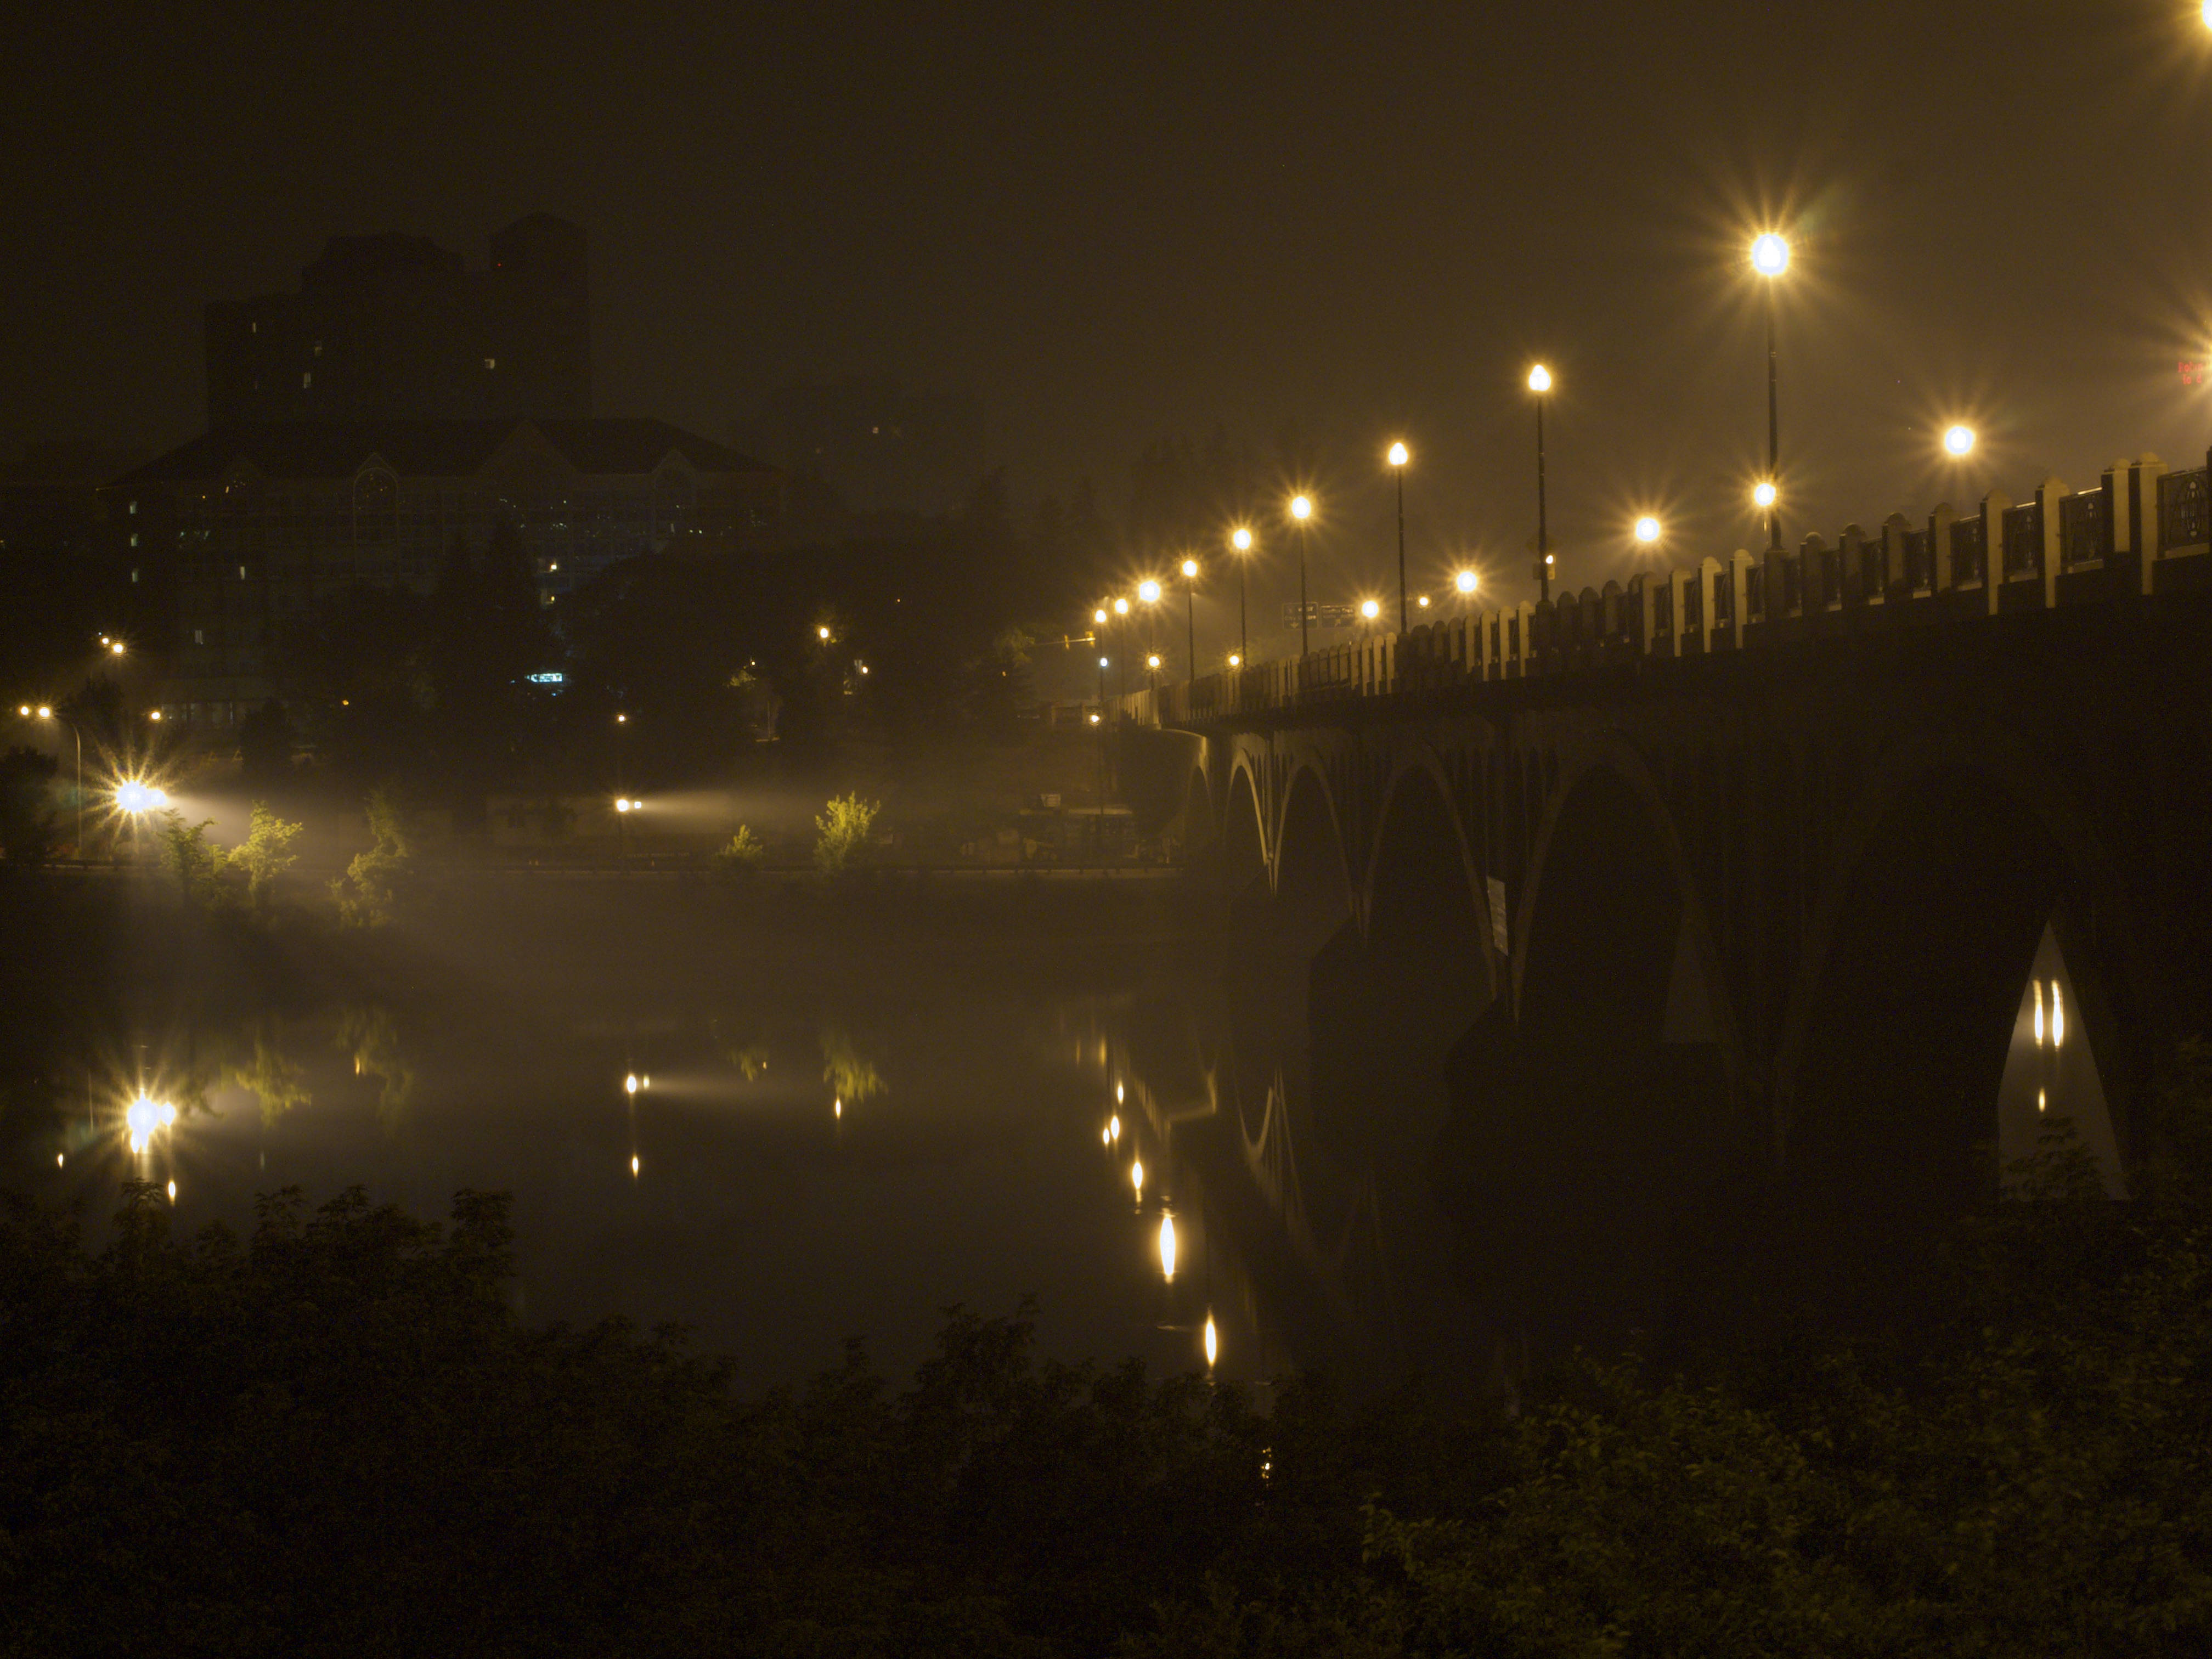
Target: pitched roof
[(337, 449)]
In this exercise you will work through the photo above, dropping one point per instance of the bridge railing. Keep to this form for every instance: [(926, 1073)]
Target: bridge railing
[(2140, 531)]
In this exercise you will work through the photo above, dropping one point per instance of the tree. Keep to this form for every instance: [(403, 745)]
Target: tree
[(26, 816), (265, 853), (366, 894), (193, 862)]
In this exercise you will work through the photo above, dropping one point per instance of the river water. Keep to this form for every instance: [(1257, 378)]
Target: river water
[(782, 1128)]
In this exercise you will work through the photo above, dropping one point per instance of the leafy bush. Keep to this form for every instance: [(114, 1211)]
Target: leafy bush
[(743, 854), (367, 893), (193, 862), (265, 853), (843, 834)]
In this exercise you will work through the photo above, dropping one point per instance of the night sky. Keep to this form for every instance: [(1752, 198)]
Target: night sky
[(1113, 223)]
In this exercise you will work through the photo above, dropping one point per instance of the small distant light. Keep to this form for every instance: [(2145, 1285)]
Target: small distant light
[(1422, 602), (1647, 529), (1153, 661), (863, 668), (1540, 378), (837, 1108), (173, 1192), (1235, 660), (1098, 616), (1105, 1139), (1189, 568), (1118, 1097), (1121, 607), (633, 1162), (45, 713), (622, 719), (1101, 662), (1167, 1247), (645, 1082), (155, 715), (60, 1159), (1397, 454), (116, 648), (1137, 1177), (1094, 719), (822, 632), (1114, 1124), (629, 1084), (1213, 1343)]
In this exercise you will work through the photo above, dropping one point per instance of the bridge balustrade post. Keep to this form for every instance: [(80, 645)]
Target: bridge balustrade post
[(1643, 613), (1995, 505), (1740, 567), (1524, 630), (1671, 616), (1897, 562), (1816, 574), (1942, 579), (1855, 555), (2123, 541), (1612, 622), (2147, 504), (1779, 588), (2050, 495)]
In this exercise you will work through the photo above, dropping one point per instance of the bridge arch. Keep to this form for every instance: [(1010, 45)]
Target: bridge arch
[(1601, 1121), (1427, 913), (1963, 861), (1245, 864)]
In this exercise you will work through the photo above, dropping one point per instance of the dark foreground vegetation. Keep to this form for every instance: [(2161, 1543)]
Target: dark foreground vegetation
[(332, 1437)]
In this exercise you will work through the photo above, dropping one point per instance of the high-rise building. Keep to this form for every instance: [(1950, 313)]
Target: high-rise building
[(396, 328)]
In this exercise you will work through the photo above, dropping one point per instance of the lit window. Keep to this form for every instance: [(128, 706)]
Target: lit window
[(491, 363), (134, 573), (199, 636), (134, 538), (241, 573), (319, 348), (253, 328), (308, 379), (134, 507)]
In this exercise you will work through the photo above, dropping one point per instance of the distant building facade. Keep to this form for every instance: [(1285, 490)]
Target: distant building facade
[(394, 327), (50, 502), (255, 525)]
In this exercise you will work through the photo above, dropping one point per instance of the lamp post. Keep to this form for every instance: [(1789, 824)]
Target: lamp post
[(1190, 616), (1149, 592), (1770, 257), (1302, 510), (1464, 582), (45, 713), (1540, 382), (1121, 612), (1398, 457), (1240, 539), (1647, 530)]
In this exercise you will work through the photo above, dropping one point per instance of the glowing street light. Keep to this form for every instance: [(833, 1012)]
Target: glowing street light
[(1137, 1178), (1959, 440), (1213, 1341), (1764, 493), (1465, 581), (1301, 513), (1540, 382), (1399, 457), (1149, 592), (1647, 530), (821, 633), (1770, 257), (1369, 609), (1167, 1247)]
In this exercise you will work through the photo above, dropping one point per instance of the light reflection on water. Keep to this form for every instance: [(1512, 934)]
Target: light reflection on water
[(1109, 1155)]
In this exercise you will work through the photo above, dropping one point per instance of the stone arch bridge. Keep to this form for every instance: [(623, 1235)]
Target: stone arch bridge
[(1843, 918)]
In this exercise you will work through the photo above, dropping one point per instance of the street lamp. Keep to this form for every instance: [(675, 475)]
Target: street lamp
[(1301, 512), (1240, 539), (1647, 530), (1540, 382), (1465, 581), (1190, 616), (46, 713), (1398, 458), (1770, 257), (1122, 612), (1959, 440)]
